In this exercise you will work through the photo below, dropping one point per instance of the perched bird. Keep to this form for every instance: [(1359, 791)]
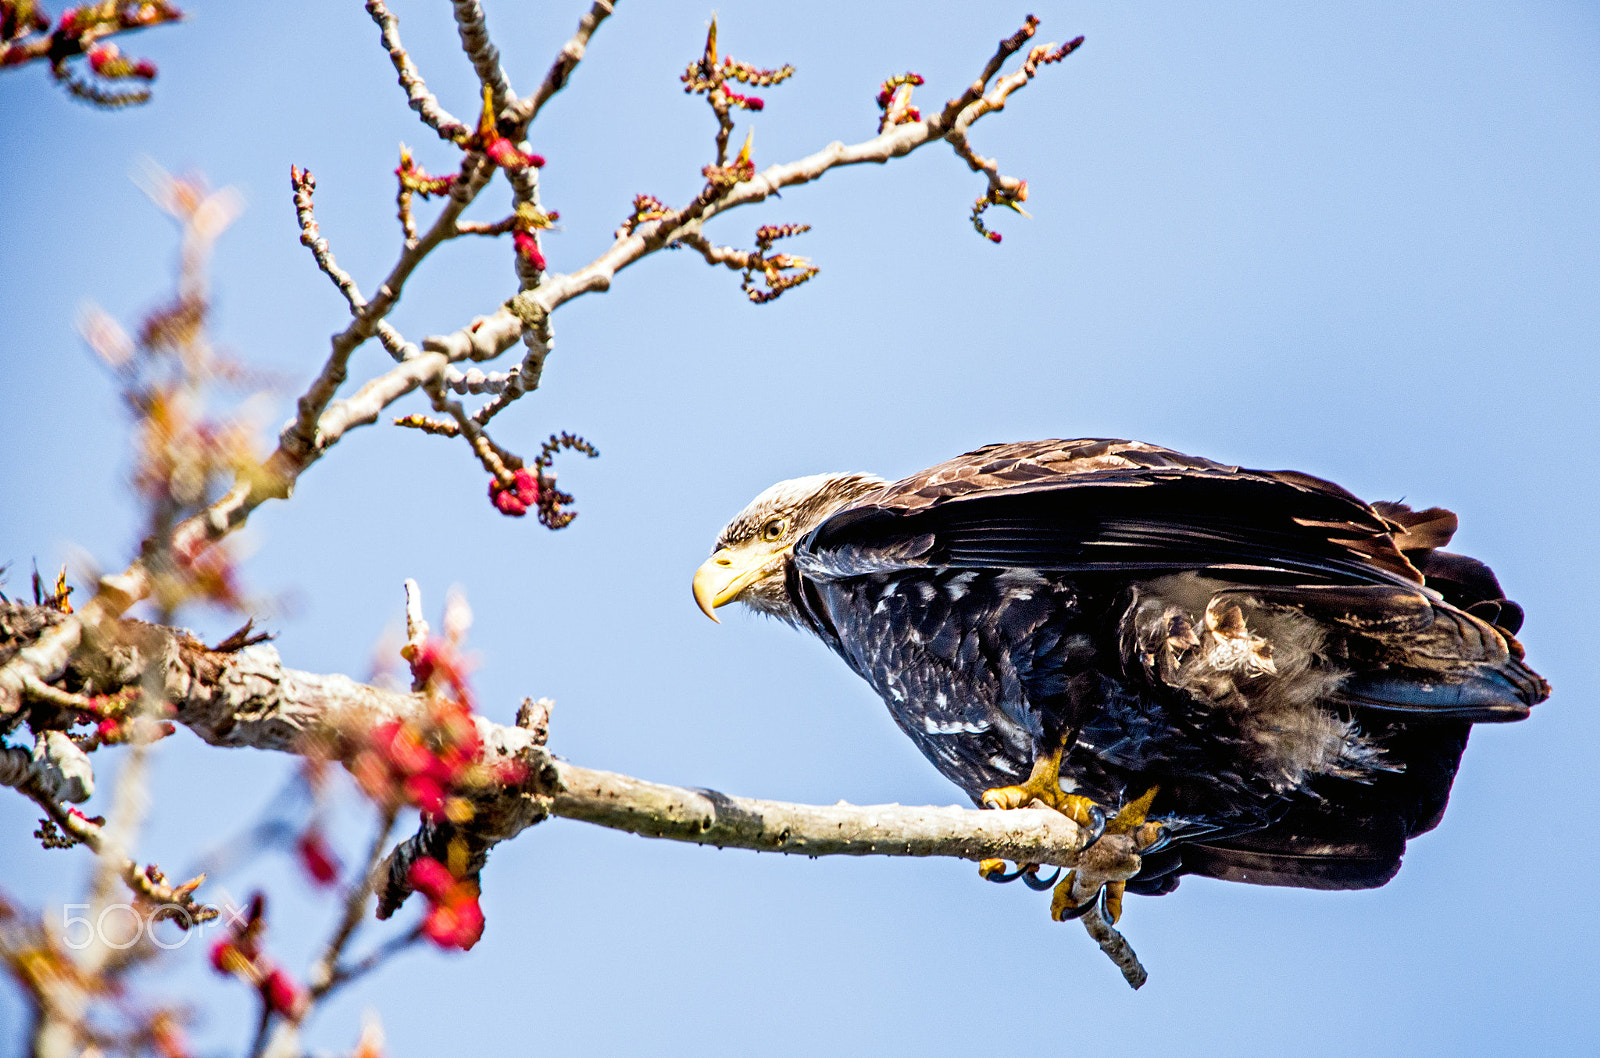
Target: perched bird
[(1266, 678)]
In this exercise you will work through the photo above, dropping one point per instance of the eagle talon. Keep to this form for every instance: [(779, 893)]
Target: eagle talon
[(995, 871), (1111, 901), (1163, 838), (1095, 825), (1032, 880), (1071, 913), (1062, 909)]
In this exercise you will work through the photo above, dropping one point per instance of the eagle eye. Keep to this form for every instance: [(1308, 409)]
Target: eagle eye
[(773, 530)]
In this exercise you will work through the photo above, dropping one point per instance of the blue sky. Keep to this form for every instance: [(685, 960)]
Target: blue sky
[(1358, 239)]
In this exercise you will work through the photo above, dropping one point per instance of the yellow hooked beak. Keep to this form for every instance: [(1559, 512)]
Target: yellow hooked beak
[(728, 572)]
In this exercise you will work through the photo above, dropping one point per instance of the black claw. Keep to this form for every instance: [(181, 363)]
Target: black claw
[(1163, 839), (1001, 878), (1032, 880), (1097, 826), (1083, 909)]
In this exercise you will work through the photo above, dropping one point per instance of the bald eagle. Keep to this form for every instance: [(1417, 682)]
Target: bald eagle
[(1290, 672)]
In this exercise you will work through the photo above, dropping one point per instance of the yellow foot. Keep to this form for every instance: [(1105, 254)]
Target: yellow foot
[(992, 870), (1043, 785), (1071, 901), (1131, 820), (1064, 905)]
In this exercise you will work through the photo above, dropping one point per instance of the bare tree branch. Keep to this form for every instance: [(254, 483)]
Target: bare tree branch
[(421, 100), (248, 699), (321, 420), (474, 32), (521, 113)]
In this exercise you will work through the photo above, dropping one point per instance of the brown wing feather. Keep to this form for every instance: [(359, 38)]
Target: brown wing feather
[(1103, 504)]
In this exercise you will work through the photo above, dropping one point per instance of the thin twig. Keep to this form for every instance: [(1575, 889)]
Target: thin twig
[(478, 227), (478, 382), (1001, 187), (521, 113), (516, 117), (324, 975), (497, 461), (263, 1022), (304, 186), (303, 441), (421, 100), (738, 260), (1007, 48), (147, 884), (343, 975)]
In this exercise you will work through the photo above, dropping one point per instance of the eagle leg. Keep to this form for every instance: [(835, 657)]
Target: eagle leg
[(1063, 909), (1044, 785), (1068, 902)]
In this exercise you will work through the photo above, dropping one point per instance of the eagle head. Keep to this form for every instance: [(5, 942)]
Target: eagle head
[(752, 555)]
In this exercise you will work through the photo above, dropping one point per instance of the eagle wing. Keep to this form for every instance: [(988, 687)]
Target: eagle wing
[(1111, 506)]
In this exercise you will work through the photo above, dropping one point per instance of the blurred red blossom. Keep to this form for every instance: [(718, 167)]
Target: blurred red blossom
[(317, 856), (454, 919), (240, 954), (108, 61), (26, 36), (428, 759)]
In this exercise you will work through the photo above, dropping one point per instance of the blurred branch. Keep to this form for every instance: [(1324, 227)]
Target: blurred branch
[(26, 37), (146, 881), (326, 973)]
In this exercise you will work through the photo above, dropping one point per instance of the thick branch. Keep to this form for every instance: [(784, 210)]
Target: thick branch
[(474, 33), (249, 699)]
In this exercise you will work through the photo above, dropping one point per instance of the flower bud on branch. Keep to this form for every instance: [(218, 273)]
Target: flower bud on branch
[(894, 99), (707, 76)]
